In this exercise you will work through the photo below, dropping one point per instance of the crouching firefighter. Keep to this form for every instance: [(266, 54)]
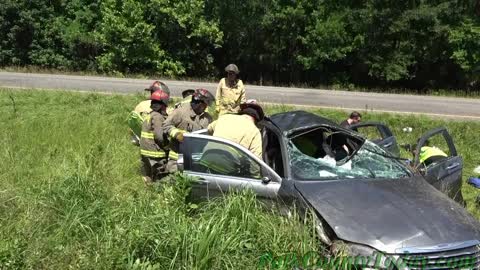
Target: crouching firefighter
[(153, 142)]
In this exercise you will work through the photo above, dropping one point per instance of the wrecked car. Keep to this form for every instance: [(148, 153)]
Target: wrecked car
[(364, 198), (445, 174)]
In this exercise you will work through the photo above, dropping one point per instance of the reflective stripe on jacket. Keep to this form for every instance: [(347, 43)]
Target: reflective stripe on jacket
[(152, 141)]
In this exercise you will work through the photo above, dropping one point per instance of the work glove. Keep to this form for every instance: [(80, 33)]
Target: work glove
[(179, 136)]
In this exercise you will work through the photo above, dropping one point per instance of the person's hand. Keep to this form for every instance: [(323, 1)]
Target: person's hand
[(179, 137)]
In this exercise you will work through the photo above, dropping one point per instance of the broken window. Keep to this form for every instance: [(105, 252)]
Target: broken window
[(328, 154)]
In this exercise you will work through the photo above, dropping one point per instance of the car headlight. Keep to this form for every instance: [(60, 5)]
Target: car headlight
[(361, 256)]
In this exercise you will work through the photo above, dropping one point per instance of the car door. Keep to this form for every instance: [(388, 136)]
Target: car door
[(380, 134), (220, 166), (444, 174)]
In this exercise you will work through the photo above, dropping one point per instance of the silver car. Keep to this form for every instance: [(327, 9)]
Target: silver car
[(365, 199)]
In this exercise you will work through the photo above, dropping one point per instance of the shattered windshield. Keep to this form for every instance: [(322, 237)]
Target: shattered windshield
[(369, 162)]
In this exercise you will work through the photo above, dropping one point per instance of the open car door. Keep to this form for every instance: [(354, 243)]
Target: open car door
[(445, 173), (380, 134), (219, 166)]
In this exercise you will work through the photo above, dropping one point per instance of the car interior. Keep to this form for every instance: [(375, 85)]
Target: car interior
[(320, 142), (316, 143)]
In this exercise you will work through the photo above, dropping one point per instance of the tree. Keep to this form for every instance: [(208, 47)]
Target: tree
[(129, 43)]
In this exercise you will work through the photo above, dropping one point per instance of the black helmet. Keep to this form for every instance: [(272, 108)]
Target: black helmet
[(252, 109), (203, 95), (188, 92)]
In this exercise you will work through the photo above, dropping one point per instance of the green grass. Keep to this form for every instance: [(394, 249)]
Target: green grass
[(71, 196)]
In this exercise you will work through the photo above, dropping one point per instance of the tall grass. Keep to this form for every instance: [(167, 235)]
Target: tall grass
[(71, 197)]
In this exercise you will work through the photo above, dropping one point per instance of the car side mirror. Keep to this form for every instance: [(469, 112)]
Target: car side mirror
[(266, 180)]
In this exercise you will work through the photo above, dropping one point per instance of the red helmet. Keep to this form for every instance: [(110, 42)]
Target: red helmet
[(158, 85), (160, 95), (203, 95)]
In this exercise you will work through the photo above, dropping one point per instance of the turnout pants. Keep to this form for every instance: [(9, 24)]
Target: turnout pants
[(153, 169)]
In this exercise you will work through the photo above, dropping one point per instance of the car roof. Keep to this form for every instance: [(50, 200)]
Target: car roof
[(289, 122)]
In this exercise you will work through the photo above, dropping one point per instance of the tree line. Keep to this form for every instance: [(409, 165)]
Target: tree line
[(414, 44)]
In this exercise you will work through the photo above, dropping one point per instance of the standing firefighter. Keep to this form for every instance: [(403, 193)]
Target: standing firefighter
[(187, 119), (136, 117), (230, 92), (153, 143)]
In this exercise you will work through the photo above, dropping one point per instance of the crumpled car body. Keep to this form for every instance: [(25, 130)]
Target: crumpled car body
[(364, 198)]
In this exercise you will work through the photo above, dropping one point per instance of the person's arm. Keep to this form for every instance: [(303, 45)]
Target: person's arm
[(256, 144), (218, 96), (256, 149), (170, 126), (243, 95), (211, 127), (157, 123)]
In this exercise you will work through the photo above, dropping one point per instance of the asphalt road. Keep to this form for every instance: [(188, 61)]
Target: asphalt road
[(459, 108)]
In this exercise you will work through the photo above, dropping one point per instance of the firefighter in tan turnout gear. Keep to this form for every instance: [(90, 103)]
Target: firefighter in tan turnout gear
[(239, 128), (153, 142), (186, 98), (230, 92), (187, 118), (136, 117)]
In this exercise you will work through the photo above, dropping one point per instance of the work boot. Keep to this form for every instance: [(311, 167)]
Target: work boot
[(147, 180)]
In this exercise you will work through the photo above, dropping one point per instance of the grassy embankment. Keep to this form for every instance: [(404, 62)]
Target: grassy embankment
[(71, 195)]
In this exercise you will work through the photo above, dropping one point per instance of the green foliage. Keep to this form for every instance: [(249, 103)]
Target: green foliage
[(408, 44), (465, 40)]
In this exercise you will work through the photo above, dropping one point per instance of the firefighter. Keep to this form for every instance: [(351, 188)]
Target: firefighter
[(428, 154), (431, 154), (187, 119), (186, 97), (230, 92), (153, 142), (136, 117), (239, 128)]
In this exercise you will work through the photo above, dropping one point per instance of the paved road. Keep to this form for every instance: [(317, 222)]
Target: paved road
[(460, 108)]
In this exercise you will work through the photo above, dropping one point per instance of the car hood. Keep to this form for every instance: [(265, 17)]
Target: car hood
[(389, 215)]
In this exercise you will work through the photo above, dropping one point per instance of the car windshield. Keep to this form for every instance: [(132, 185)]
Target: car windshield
[(369, 162)]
